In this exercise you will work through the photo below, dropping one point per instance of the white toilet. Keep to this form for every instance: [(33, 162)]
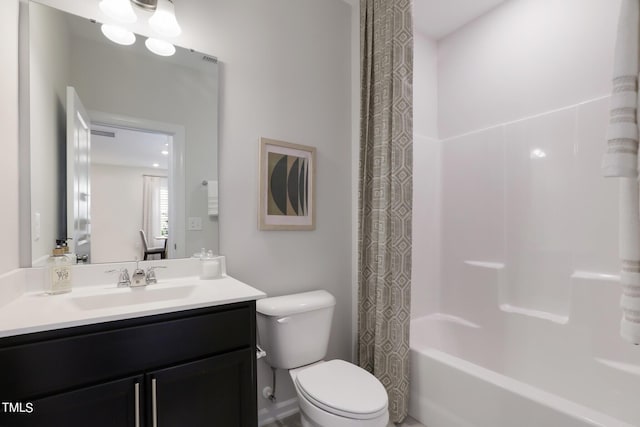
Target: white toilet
[(294, 331)]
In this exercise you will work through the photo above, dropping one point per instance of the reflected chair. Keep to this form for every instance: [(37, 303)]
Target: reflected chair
[(157, 250)]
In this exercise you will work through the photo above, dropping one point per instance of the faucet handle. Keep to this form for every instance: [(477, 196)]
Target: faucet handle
[(123, 277), (151, 274)]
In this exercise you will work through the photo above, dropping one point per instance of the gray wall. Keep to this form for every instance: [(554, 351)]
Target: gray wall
[(49, 76), (9, 131)]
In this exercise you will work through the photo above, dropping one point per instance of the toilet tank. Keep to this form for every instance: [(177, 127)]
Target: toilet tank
[(294, 329)]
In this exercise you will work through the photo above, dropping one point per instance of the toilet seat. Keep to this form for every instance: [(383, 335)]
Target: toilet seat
[(343, 389)]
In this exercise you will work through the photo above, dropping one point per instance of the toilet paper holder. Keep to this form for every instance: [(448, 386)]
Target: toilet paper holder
[(260, 353)]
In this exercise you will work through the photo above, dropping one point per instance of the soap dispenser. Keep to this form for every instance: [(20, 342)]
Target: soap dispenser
[(58, 276)]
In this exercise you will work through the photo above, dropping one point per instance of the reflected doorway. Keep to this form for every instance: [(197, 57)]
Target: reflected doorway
[(131, 170)]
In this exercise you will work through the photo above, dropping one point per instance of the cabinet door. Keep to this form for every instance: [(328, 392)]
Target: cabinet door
[(116, 403), (216, 391)]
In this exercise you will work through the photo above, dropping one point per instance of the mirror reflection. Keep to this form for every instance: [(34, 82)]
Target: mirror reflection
[(123, 144)]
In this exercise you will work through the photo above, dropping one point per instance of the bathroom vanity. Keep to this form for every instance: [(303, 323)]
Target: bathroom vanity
[(189, 361), (177, 353)]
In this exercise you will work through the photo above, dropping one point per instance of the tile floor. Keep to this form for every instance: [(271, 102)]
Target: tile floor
[(294, 421)]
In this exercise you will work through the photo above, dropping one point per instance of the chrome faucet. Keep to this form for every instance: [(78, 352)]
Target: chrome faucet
[(138, 278)]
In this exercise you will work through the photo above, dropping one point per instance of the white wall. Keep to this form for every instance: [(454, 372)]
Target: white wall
[(283, 75), (117, 193), (523, 99), (425, 277), (9, 131)]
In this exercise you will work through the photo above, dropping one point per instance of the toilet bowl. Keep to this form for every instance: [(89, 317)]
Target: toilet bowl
[(294, 332), (339, 394)]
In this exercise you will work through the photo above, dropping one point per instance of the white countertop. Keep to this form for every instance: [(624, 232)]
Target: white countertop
[(35, 311)]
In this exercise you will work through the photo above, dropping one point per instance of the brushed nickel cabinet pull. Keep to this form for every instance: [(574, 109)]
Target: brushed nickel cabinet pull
[(154, 403), (137, 402)]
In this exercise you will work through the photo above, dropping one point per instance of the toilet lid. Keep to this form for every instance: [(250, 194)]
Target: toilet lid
[(343, 389)]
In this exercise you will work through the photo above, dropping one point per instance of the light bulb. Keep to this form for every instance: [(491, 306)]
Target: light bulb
[(118, 35), (120, 10), (164, 20), (160, 47)]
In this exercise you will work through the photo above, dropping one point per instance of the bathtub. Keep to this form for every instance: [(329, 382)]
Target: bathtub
[(502, 366)]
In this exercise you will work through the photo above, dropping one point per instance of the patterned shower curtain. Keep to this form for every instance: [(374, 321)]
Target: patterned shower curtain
[(385, 196)]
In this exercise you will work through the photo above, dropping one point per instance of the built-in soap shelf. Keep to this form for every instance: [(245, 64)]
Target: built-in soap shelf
[(486, 264), (539, 314), (495, 291)]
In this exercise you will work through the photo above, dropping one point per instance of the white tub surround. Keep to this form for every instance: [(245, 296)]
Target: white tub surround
[(520, 404), (523, 326), (621, 160), (95, 297), (525, 369)]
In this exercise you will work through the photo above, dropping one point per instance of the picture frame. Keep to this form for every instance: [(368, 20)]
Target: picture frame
[(287, 175)]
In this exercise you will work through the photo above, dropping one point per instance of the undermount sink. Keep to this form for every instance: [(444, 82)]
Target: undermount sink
[(131, 296)]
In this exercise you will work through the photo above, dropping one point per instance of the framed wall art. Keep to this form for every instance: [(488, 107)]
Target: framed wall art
[(287, 186)]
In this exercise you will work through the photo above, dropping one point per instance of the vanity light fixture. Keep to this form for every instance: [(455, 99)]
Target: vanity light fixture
[(118, 34), (120, 10), (160, 47), (164, 20), (146, 4)]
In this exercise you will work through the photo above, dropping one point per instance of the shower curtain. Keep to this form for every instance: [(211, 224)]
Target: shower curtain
[(385, 196), (621, 160)]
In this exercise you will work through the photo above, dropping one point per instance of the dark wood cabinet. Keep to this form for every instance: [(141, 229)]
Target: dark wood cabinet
[(192, 368), (206, 392), (104, 405)]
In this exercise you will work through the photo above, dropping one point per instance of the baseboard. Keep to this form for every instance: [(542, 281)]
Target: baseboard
[(277, 411)]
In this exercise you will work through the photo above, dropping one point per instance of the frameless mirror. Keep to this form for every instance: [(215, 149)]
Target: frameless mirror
[(122, 143)]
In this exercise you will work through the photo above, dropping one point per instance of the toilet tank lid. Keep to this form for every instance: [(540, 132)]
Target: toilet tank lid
[(296, 303)]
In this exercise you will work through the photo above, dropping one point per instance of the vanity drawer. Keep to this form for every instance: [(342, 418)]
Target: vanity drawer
[(57, 363)]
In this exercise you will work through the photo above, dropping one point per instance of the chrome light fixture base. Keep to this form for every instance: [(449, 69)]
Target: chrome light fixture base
[(146, 4)]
